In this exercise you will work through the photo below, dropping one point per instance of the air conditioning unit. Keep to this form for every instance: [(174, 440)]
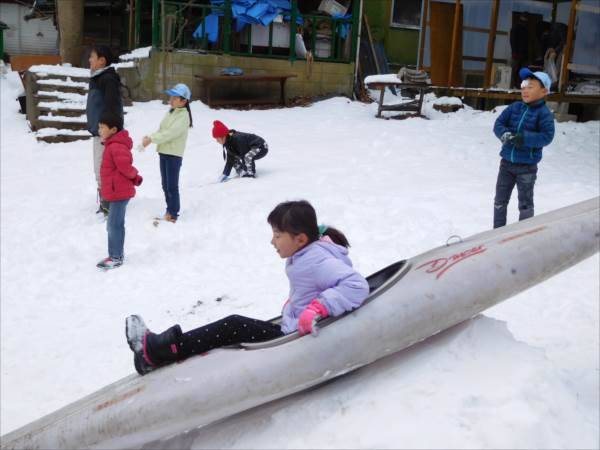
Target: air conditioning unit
[(501, 75)]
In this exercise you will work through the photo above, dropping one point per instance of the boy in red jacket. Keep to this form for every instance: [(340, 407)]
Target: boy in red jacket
[(118, 178)]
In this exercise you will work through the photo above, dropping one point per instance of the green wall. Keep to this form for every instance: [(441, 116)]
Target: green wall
[(155, 74), (401, 44)]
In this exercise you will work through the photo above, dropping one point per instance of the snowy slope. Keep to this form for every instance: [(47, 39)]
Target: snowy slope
[(524, 375)]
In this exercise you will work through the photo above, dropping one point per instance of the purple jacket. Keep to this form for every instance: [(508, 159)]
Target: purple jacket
[(322, 270)]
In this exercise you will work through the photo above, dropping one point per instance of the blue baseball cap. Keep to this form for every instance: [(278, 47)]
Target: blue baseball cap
[(542, 77), (180, 90)]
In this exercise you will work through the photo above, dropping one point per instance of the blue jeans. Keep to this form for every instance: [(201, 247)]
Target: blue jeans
[(115, 226), (169, 174), (509, 174)]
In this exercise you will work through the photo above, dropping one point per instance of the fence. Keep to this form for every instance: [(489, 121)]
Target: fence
[(212, 28)]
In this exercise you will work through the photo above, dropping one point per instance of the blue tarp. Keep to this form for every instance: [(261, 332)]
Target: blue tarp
[(259, 12), (212, 28)]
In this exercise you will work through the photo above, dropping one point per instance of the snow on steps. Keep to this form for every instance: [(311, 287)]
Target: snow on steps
[(59, 95), (55, 135), (64, 109)]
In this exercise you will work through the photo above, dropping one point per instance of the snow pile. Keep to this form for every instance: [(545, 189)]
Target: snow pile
[(384, 78), (66, 96), (62, 105), (447, 101), (524, 375), (123, 65), (66, 83), (65, 70), (138, 53)]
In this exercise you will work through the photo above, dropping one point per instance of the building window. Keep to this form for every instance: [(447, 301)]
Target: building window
[(406, 13)]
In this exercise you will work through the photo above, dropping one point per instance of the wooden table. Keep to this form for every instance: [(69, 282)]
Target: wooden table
[(210, 80), (414, 106)]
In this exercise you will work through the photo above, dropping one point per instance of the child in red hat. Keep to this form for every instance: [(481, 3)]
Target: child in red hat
[(240, 150)]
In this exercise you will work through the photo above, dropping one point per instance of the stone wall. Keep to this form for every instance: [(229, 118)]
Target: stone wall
[(153, 75)]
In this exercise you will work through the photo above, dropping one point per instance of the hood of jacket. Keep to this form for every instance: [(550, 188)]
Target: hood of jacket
[(122, 137)]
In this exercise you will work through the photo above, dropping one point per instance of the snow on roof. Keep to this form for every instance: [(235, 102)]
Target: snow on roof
[(143, 52), (385, 78), (46, 69)]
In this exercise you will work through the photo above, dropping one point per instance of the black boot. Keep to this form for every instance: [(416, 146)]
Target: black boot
[(151, 351)]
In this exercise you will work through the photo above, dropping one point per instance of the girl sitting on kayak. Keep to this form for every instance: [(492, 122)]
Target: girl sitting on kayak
[(322, 283)]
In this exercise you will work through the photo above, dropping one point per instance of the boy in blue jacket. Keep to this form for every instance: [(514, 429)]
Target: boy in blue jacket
[(524, 128)]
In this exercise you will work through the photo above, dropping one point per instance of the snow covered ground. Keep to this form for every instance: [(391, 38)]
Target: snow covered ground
[(524, 375)]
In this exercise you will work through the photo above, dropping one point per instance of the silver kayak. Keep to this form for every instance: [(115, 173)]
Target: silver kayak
[(410, 300)]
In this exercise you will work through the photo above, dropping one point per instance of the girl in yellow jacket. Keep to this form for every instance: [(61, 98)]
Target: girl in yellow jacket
[(170, 139)]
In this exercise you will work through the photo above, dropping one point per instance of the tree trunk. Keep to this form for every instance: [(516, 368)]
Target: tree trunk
[(70, 26)]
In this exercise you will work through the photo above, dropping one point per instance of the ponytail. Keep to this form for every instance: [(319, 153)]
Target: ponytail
[(334, 234), (187, 106)]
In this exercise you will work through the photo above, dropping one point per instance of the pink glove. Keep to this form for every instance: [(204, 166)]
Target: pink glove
[(313, 312)]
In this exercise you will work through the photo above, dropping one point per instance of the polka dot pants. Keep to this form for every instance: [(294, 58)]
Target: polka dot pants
[(228, 331)]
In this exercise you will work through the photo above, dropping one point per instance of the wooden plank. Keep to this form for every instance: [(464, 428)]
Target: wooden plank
[(455, 26), (568, 46), (487, 79), (484, 30), (423, 34), (245, 77), (370, 38)]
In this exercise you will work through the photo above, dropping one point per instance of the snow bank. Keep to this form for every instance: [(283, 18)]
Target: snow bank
[(385, 78), (65, 70), (138, 53)]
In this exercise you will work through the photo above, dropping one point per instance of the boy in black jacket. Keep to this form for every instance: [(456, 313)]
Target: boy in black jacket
[(104, 96), (240, 150)]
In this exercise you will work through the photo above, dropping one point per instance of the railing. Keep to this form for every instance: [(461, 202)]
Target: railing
[(330, 39)]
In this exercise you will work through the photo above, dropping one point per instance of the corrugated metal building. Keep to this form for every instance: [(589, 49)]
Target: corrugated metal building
[(36, 36)]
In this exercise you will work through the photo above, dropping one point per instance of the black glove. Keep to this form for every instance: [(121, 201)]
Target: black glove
[(512, 139)]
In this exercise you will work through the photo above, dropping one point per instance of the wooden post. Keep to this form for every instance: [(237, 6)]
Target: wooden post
[(155, 23), (138, 22), (489, 61), (454, 42), (356, 12), (293, 30), (423, 34), (568, 46), (131, 30), (370, 38), (227, 28)]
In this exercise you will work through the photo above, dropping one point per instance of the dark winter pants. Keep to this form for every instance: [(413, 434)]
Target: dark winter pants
[(115, 226), (247, 164), (509, 174), (170, 166), (230, 330)]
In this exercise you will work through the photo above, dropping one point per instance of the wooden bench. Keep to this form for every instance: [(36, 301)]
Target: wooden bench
[(209, 82), (414, 106)]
